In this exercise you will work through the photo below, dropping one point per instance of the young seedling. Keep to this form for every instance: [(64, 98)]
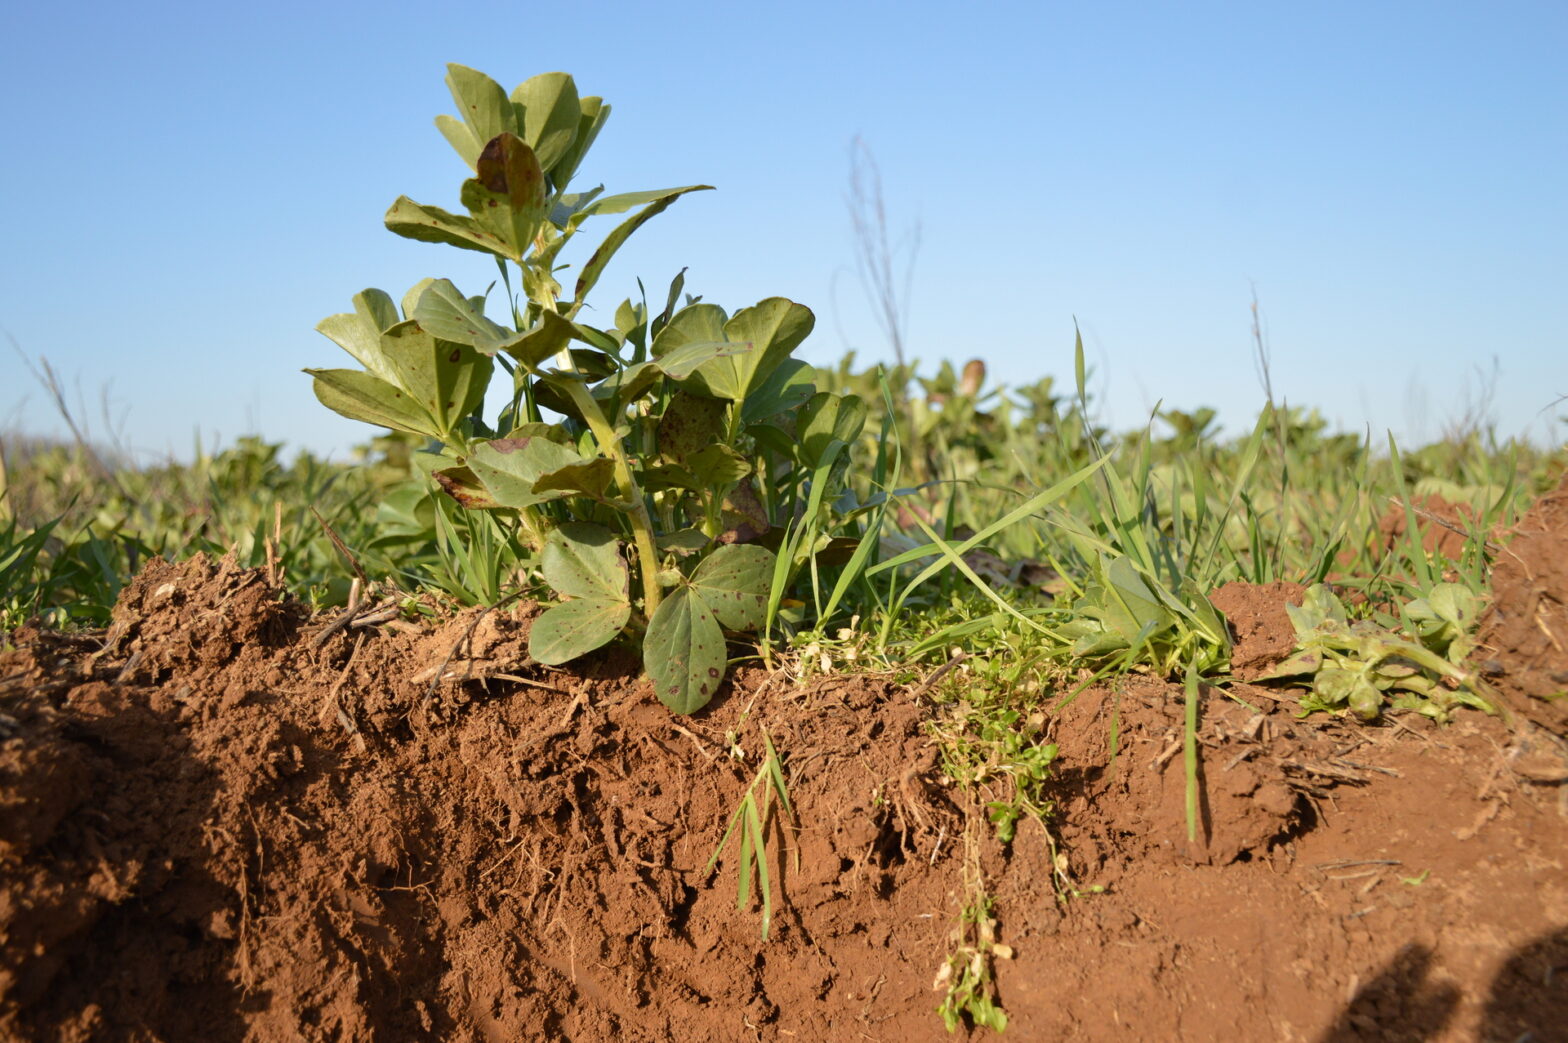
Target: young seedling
[(752, 816)]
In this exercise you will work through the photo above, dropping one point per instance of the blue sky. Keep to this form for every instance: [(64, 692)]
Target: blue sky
[(190, 188)]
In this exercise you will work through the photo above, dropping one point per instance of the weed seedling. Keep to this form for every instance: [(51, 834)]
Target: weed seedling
[(752, 816)]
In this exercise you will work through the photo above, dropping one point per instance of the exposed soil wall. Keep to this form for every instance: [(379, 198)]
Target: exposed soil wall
[(214, 826)]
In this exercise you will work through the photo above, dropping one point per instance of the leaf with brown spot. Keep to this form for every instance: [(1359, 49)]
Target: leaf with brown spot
[(684, 651)]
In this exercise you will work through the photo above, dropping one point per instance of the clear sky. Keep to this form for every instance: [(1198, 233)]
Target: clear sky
[(189, 188)]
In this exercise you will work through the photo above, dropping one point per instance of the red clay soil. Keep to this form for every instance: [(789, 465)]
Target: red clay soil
[(1261, 631), (1443, 526), (221, 820), (1525, 631)]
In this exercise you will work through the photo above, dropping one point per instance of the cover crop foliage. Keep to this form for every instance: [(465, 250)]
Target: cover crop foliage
[(651, 466)]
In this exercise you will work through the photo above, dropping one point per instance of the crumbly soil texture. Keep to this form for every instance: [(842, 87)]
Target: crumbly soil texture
[(224, 820)]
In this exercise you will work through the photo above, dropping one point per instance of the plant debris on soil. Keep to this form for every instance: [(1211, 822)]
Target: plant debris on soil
[(224, 820)]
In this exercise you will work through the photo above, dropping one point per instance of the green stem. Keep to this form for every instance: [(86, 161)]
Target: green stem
[(642, 524)]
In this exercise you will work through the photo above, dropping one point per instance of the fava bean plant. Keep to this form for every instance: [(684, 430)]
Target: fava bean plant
[(667, 473)]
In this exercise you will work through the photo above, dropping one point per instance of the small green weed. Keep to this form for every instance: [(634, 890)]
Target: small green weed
[(1360, 665), (752, 816), (965, 978)]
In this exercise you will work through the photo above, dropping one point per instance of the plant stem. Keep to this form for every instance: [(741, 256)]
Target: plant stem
[(637, 509)]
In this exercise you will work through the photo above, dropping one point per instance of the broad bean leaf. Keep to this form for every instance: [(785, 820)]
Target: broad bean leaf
[(684, 651), (693, 324), (570, 204), (591, 479), (827, 417), (735, 581), (792, 383), (509, 196), (431, 224), (485, 110), (600, 259), (583, 560), (680, 363), (444, 311), (670, 476), (510, 467), (548, 112), (366, 397), (775, 326), (547, 339), (462, 485), (718, 465), (630, 384), (447, 379), (592, 113), (1318, 606), (1125, 603), (359, 332), (773, 439), (573, 628), (689, 424)]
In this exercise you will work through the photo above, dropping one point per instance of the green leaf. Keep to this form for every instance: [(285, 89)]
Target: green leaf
[(689, 424), (679, 363), (583, 560), (431, 224), (600, 258), (591, 479), (1307, 662), (483, 106), (411, 299), (791, 383), (624, 201), (1364, 699), (593, 112), (446, 378), (773, 439), (368, 398), (1455, 603), (509, 467), (1131, 605), (825, 418), (684, 652), (548, 113), (446, 313), (630, 383), (462, 485), (359, 333), (718, 465), (1318, 606), (693, 324), (547, 339), (735, 581), (509, 195), (461, 137), (775, 327), (573, 628), (669, 476), (569, 205)]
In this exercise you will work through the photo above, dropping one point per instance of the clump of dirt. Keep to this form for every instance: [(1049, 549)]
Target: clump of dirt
[(1261, 628), (224, 820), (1524, 633), (1444, 527)]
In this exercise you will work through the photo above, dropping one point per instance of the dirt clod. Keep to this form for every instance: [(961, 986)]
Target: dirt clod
[(1261, 629), (1524, 633)]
